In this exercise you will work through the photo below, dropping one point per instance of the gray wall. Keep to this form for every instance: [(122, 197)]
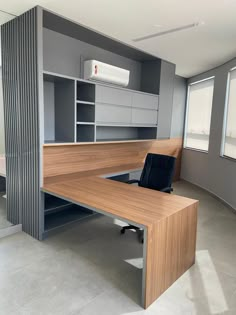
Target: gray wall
[(2, 142), (165, 99), (178, 111), (65, 55), (210, 170), (49, 111)]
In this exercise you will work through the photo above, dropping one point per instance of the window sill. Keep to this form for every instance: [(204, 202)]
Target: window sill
[(195, 150), (228, 158)]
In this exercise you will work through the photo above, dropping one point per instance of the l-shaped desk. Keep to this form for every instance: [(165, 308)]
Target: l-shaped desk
[(169, 221)]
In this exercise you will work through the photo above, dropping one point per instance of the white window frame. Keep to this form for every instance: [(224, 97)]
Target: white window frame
[(222, 149), (187, 112)]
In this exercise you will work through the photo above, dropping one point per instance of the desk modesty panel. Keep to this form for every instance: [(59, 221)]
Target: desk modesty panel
[(61, 159)]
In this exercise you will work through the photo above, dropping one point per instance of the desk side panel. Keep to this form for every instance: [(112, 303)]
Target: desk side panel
[(171, 246)]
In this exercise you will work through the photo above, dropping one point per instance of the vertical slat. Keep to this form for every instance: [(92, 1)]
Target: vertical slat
[(21, 111)]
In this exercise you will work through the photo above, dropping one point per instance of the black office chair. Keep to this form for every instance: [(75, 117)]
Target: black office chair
[(157, 174)]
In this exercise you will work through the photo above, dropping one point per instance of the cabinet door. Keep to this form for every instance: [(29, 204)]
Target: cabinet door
[(107, 113), (143, 116), (145, 101), (111, 95)]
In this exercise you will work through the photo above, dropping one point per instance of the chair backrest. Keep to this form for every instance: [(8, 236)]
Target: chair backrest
[(158, 171)]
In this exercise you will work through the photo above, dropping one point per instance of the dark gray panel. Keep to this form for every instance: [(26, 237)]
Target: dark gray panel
[(65, 111), (49, 111), (60, 24), (21, 108), (179, 104), (85, 133), (165, 99), (66, 55), (2, 184), (150, 81)]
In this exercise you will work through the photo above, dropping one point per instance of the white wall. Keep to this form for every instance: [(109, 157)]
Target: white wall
[(2, 137), (210, 170)]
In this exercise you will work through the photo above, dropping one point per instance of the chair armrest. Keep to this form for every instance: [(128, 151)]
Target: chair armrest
[(167, 190), (132, 181)]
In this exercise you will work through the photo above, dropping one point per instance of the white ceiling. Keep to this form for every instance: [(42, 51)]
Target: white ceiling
[(193, 51)]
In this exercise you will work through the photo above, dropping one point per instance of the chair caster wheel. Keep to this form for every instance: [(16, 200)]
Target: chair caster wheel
[(122, 231)]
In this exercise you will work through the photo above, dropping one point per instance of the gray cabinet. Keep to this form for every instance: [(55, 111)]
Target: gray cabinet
[(142, 100), (116, 105), (113, 95), (144, 116), (114, 114)]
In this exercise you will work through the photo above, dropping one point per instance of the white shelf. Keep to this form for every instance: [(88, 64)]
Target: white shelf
[(85, 102), (125, 125), (84, 123)]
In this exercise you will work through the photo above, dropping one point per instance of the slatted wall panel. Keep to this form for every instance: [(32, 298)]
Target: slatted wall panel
[(11, 117), (21, 103)]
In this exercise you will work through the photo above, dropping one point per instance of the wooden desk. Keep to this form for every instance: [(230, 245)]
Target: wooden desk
[(169, 221)]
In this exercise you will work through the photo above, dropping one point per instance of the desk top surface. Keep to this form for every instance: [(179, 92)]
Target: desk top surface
[(129, 202)]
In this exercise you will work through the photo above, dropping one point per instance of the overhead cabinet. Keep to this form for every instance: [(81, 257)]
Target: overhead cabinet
[(113, 95), (120, 106), (82, 111), (107, 113), (146, 101), (144, 116)]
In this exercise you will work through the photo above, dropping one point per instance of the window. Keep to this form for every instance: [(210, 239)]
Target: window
[(198, 116), (229, 137)]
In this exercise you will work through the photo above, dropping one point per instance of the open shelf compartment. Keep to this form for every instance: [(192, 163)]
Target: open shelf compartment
[(85, 112), (85, 92), (85, 133)]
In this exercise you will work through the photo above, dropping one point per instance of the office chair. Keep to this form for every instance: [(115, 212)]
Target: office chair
[(157, 174)]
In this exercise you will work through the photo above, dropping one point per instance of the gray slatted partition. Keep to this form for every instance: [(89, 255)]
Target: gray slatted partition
[(20, 53)]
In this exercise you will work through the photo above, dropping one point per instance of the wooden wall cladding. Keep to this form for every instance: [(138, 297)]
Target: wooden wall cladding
[(72, 158)]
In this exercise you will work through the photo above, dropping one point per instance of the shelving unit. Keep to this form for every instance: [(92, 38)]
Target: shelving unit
[(81, 111), (59, 213), (59, 104), (85, 111)]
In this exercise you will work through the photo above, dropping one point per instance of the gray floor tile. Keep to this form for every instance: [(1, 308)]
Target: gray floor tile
[(91, 269)]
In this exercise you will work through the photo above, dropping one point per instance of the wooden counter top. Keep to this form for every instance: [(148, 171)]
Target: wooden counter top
[(129, 202)]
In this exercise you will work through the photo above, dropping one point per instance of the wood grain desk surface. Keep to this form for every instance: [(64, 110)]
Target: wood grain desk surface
[(129, 202)]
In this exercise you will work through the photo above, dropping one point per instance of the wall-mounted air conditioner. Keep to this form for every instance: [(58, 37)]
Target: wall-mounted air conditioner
[(99, 71)]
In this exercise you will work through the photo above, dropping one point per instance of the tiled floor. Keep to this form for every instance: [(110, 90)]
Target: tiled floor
[(92, 270)]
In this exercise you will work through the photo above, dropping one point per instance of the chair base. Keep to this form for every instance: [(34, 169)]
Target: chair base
[(132, 227)]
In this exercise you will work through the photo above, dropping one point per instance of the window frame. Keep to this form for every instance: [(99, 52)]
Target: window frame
[(187, 112), (226, 107)]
